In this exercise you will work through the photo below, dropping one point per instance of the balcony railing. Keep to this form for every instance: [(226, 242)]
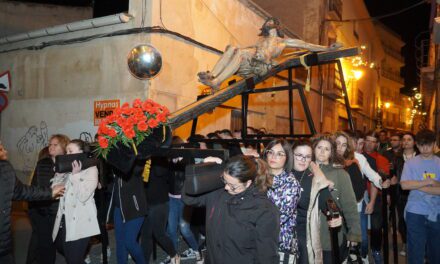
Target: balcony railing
[(391, 75), (392, 52)]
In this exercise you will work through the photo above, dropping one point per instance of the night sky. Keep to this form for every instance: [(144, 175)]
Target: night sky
[(408, 25)]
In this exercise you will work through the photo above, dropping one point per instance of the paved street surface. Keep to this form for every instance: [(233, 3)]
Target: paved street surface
[(22, 233)]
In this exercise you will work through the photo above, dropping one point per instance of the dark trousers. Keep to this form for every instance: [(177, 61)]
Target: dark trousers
[(301, 232), (73, 251), (401, 225), (343, 253), (423, 239), (376, 226), (32, 254), (43, 230), (155, 225), (7, 259)]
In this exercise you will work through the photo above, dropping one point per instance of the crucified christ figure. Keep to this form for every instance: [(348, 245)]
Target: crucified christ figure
[(256, 59)]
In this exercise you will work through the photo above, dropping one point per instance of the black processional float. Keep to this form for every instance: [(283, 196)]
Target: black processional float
[(158, 142)]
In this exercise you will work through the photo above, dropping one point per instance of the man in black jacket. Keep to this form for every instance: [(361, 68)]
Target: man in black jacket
[(12, 188)]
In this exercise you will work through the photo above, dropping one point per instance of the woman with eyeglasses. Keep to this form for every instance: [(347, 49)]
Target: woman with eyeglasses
[(314, 193), (242, 224), (325, 152), (284, 193)]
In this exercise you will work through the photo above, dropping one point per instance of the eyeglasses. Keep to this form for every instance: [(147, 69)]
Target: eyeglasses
[(300, 157), (233, 187), (276, 155)]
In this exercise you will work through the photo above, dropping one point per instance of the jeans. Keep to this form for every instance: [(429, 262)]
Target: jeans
[(126, 238), (179, 217), (364, 230), (422, 234)]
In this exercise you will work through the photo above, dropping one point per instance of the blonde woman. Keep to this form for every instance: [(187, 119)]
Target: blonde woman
[(42, 214)]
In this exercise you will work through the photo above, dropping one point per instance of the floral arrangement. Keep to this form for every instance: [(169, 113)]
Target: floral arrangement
[(130, 125)]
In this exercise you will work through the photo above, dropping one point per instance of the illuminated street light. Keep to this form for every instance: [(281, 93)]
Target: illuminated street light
[(415, 89), (418, 95), (387, 105), (357, 74), (414, 111)]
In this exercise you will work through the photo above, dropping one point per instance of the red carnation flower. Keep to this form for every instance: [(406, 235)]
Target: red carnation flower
[(142, 126), (153, 123), (103, 142)]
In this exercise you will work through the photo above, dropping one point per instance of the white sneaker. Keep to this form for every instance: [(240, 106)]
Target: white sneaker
[(87, 260), (365, 260), (402, 252), (189, 254)]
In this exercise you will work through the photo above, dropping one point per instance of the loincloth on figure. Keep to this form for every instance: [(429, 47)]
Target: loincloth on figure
[(252, 63)]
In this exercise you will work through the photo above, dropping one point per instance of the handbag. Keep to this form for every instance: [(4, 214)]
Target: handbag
[(203, 177), (63, 163)]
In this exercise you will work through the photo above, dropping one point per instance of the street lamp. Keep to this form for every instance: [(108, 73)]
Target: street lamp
[(357, 74)]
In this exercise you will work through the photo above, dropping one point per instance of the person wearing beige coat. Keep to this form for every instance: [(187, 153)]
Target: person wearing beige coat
[(76, 219)]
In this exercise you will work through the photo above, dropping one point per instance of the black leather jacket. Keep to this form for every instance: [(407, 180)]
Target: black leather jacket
[(12, 188)]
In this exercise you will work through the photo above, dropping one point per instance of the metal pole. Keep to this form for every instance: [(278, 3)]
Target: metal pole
[(385, 226), (290, 102), (335, 245), (344, 89), (306, 109), (244, 110)]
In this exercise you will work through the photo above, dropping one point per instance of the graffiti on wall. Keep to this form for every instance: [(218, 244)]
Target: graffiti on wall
[(31, 143), (86, 137)]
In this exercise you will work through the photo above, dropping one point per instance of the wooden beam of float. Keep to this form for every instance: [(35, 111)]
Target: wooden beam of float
[(210, 102)]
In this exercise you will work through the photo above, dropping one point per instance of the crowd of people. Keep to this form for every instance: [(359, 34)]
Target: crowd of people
[(281, 201)]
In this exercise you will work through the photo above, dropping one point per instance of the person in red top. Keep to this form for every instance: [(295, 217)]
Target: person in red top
[(375, 209)]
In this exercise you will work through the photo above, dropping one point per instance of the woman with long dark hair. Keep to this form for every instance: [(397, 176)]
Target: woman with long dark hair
[(242, 224), (284, 193)]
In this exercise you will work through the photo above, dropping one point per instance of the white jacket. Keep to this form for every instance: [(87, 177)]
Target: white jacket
[(78, 206), (366, 170)]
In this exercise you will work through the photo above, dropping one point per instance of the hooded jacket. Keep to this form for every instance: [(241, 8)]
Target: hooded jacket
[(241, 228), (130, 193)]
